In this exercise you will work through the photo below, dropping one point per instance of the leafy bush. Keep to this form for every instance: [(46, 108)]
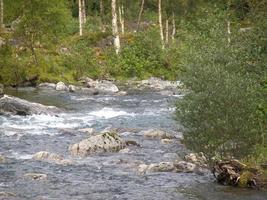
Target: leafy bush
[(221, 113)]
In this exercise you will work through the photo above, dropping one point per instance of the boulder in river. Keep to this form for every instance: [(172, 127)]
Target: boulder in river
[(60, 86), (235, 173), (47, 85), (35, 176), (197, 158), (102, 86), (17, 106), (178, 166), (51, 157), (106, 86), (72, 88), (2, 159), (7, 195), (106, 142), (156, 133)]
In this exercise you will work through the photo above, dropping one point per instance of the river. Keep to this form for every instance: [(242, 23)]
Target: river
[(108, 176)]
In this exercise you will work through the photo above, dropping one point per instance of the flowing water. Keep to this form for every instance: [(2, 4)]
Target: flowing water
[(107, 176)]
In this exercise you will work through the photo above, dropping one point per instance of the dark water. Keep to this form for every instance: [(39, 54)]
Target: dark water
[(105, 176)]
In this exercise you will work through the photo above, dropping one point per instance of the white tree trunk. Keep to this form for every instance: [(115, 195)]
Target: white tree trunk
[(173, 27), (103, 28), (140, 14), (80, 18), (115, 27), (167, 32), (2, 14), (229, 31), (160, 25), (83, 11), (121, 17)]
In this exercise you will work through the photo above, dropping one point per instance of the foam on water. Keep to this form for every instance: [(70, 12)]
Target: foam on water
[(20, 156), (108, 113)]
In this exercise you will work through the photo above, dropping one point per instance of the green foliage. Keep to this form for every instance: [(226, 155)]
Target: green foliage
[(221, 113)]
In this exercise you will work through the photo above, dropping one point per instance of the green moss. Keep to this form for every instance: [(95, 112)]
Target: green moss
[(245, 178)]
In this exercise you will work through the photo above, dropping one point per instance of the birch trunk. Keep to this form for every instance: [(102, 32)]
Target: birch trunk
[(115, 27), (140, 14), (173, 27), (160, 25), (84, 11), (103, 28), (80, 18), (121, 17), (167, 32), (229, 31), (2, 14)]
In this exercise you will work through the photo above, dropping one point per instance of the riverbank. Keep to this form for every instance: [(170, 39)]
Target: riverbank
[(142, 171)]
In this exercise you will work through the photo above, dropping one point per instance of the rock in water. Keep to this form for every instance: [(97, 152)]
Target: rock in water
[(2, 159), (72, 88), (155, 133), (235, 173), (51, 157), (197, 158), (17, 106), (47, 85), (60, 86), (35, 176), (106, 86), (106, 142), (180, 166)]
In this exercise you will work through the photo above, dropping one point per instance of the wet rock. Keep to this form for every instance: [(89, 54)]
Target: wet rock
[(2, 159), (47, 85), (157, 167), (132, 143), (87, 91), (85, 80), (106, 86), (125, 150), (186, 167), (7, 194), (155, 133), (167, 141), (60, 86), (197, 158), (35, 176), (17, 106), (51, 157), (121, 93), (106, 142), (1, 90), (178, 166), (72, 88)]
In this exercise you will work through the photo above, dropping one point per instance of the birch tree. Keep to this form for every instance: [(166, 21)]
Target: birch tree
[(167, 31), (83, 12), (140, 14), (103, 28), (121, 17), (173, 26), (80, 18), (115, 27), (2, 14), (160, 24)]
